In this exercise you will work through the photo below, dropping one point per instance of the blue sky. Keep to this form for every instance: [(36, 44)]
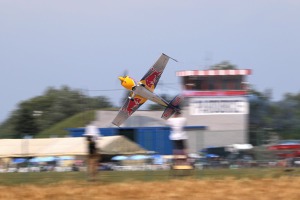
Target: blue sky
[(87, 44)]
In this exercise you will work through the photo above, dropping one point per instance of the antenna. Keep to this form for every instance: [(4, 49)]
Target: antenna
[(207, 60)]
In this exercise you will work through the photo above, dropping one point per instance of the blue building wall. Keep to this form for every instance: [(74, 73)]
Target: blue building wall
[(155, 139), (150, 138)]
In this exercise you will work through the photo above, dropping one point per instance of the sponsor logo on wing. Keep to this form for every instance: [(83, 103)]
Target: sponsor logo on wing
[(132, 105), (152, 78), (176, 102), (168, 112)]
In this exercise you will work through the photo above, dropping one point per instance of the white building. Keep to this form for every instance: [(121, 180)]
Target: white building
[(217, 99)]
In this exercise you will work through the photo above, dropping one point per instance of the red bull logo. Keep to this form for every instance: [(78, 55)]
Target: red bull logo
[(152, 78), (167, 113), (131, 106), (176, 101)]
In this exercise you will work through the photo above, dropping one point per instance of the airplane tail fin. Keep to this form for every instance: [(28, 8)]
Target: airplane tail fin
[(173, 106)]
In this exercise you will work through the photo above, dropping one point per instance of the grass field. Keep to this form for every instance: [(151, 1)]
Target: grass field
[(211, 184), (160, 175), (126, 176)]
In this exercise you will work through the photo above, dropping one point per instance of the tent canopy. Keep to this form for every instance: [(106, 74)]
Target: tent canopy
[(110, 145)]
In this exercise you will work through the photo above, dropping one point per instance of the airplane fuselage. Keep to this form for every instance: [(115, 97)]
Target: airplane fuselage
[(144, 92), (141, 90)]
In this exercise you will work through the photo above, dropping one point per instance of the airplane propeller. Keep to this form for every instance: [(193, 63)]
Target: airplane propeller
[(123, 76), (125, 73), (126, 93)]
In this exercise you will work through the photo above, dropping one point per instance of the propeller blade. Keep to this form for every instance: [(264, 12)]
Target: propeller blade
[(125, 73)]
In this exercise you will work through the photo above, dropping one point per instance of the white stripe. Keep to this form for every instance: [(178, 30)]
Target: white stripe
[(211, 72)]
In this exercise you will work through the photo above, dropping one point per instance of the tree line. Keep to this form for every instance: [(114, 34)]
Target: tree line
[(269, 119), (39, 113)]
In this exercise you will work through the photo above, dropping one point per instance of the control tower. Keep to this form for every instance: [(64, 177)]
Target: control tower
[(216, 98)]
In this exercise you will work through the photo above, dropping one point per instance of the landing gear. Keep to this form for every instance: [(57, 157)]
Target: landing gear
[(141, 84), (131, 98)]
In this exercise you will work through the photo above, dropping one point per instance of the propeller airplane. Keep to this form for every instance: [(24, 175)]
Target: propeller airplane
[(143, 90)]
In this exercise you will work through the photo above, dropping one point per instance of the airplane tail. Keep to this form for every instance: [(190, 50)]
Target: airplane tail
[(173, 106)]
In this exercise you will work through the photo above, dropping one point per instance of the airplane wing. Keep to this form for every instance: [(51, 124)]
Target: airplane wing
[(151, 78), (128, 108)]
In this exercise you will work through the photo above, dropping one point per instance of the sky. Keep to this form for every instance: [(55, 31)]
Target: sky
[(86, 45)]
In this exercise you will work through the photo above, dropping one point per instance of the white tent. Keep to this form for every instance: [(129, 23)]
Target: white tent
[(66, 146), (242, 146)]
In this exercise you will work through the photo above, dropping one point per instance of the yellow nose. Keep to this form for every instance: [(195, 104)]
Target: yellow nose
[(121, 78)]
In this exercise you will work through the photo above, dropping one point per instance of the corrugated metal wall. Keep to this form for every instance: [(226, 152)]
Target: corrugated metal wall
[(151, 138), (155, 139)]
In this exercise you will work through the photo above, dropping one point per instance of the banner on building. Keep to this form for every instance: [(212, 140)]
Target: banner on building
[(217, 106)]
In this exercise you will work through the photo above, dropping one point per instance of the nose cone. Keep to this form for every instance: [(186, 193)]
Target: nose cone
[(121, 78)]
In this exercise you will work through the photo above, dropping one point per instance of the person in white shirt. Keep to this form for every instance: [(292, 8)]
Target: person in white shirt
[(178, 135), (92, 134), (93, 131)]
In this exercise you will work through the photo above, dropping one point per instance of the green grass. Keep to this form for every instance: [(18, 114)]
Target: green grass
[(42, 178), (38, 177), (59, 129), (246, 173)]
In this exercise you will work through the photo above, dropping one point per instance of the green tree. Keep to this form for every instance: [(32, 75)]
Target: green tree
[(25, 123), (224, 65), (55, 105), (260, 117), (282, 117), (287, 118)]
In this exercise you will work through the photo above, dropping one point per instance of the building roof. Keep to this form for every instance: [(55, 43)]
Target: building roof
[(215, 72), (139, 118), (153, 119)]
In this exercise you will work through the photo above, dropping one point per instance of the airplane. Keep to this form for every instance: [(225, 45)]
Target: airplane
[(143, 90)]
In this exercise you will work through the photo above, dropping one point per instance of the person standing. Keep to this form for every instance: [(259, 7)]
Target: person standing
[(92, 134), (178, 135)]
